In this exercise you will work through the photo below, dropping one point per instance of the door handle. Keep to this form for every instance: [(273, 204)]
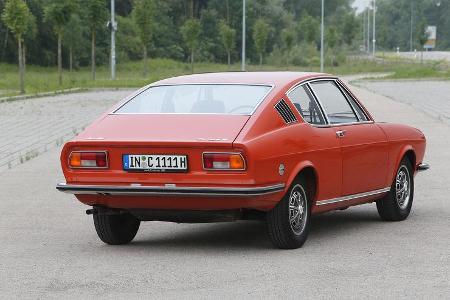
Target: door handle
[(340, 133)]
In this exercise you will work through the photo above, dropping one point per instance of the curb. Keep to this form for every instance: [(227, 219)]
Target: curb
[(58, 92)]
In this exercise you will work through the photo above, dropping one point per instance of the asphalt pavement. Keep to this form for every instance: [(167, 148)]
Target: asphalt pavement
[(49, 248), (31, 127), (431, 97)]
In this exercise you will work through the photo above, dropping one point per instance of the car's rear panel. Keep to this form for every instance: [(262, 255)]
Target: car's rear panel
[(189, 135), (194, 176), (115, 173)]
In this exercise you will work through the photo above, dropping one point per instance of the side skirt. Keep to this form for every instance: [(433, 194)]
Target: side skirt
[(353, 197)]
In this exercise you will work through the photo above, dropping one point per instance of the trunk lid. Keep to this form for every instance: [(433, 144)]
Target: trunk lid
[(163, 129)]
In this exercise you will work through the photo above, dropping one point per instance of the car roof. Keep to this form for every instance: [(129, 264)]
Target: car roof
[(277, 78)]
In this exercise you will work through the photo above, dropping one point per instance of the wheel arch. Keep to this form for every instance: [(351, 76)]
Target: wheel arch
[(306, 170), (408, 152), (411, 155)]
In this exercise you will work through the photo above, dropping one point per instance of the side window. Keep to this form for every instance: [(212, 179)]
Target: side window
[(307, 106), (334, 103), (361, 115)]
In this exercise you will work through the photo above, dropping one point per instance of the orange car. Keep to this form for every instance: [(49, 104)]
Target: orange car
[(277, 146)]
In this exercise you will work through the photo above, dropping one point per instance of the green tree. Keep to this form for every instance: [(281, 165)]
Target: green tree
[(308, 28), (95, 15), (191, 34), (128, 44), (29, 36), (73, 38), (422, 37), (331, 39), (58, 14), (228, 37), (395, 17), (349, 29), (288, 36), (211, 46), (18, 19), (144, 17), (260, 36)]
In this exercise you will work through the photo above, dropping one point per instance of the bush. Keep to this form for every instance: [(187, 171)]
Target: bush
[(302, 55)]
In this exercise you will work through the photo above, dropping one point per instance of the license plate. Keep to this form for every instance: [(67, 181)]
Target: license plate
[(154, 163)]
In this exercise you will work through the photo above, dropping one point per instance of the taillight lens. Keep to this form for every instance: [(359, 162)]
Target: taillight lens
[(223, 161), (88, 159)]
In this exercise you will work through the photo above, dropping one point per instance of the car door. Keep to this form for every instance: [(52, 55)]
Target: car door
[(319, 145), (363, 144)]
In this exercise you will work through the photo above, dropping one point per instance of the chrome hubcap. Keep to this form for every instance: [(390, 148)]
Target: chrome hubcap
[(403, 187), (298, 209)]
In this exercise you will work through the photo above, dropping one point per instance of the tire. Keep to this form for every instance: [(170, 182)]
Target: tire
[(397, 204), (116, 229), (286, 232)]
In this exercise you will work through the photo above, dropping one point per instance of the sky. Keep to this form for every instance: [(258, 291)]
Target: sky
[(361, 4)]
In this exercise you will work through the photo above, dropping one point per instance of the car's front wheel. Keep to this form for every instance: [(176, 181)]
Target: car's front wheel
[(397, 204), (288, 223), (116, 229)]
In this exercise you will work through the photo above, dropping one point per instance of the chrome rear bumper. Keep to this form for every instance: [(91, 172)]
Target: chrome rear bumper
[(423, 167), (139, 190)]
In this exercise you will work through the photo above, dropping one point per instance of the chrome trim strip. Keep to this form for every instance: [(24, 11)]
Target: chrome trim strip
[(308, 84), (340, 88), (168, 190), (342, 124), (303, 81), (422, 167), (353, 97), (353, 197)]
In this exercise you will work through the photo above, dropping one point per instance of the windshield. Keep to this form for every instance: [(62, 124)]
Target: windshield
[(197, 99)]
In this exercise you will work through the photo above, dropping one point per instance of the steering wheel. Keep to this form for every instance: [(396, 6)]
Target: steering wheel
[(240, 107)]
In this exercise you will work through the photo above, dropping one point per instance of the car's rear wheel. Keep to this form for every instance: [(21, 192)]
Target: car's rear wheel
[(397, 204), (288, 223), (116, 229)]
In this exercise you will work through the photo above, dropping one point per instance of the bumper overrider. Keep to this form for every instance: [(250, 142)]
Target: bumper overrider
[(423, 167), (170, 189)]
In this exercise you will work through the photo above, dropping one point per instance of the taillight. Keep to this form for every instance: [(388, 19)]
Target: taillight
[(88, 159), (223, 161)]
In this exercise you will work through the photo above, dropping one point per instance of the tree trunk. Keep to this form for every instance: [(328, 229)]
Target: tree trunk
[(21, 71), (191, 9), (24, 57), (59, 59), (4, 45), (260, 59), (70, 59), (228, 11), (93, 55), (145, 62), (287, 60), (192, 62), (229, 58), (421, 56)]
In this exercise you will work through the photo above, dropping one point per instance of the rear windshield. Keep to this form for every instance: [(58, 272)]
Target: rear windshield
[(197, 99)]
